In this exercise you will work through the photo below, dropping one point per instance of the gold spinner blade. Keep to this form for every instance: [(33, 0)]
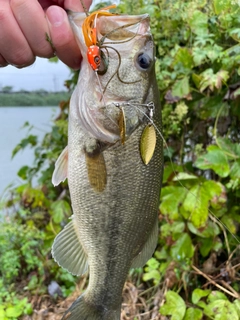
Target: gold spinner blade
[(148, 143)]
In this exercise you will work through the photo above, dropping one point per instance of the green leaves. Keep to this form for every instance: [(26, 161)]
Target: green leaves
[(60, 209), (214, 159), (152, 271), (13, 312), (191, 202), (181, 88), (198, 294), (174, 306), (184, 57), (196, 204), (182, 248), (214, 305), (210, 80), (15, 309), (31, 141), (193, 314), (172, 198), (221, 310), (221, 6), (197, 201), (198, 22)]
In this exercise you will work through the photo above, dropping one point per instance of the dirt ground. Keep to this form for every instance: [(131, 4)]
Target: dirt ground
[(138, 304)]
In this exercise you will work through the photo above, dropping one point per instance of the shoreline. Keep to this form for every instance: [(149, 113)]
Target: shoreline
[(30, 99)]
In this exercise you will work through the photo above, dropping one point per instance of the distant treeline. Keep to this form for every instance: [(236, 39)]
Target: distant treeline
[(32, 98)]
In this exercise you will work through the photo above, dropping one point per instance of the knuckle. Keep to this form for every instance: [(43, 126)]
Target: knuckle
[(43, 49), (22, 58), (4, 16), (17, 3)]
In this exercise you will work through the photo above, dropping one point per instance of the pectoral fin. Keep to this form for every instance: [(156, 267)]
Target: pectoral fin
[(148, 249), (61, 168), (67, 250)]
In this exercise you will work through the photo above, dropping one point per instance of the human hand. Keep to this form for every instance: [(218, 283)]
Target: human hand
[(24, 25)]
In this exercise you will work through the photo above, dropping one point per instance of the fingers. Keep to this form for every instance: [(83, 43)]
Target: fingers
[(25, 26), (32, 22), (14, 47), (75, 5), (61, 32), (62, 37), (3, 62)]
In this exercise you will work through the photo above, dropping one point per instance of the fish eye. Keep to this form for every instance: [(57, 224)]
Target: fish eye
[(143, 61)]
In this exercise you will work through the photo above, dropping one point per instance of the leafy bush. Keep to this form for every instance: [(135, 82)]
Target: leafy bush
[(198, 74), (36, 215)]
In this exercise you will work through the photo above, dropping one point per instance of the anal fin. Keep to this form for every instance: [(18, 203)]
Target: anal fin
[(148, 249), (67, 250)]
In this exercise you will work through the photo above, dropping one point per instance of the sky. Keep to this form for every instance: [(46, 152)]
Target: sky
[(40, 75)]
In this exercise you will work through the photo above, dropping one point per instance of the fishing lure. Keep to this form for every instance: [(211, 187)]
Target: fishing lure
[(122, 126), (148, 138), (90, 36)]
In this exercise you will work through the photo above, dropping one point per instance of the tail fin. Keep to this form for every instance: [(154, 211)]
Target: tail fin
[(81, 310)]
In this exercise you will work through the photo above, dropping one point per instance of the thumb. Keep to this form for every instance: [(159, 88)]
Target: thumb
[(77, 5)]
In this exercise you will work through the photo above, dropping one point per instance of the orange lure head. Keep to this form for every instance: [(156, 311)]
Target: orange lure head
[(90, 36), (94, 57)]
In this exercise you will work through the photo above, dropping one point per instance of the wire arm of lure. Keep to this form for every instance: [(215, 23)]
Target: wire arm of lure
[(89, 22), (150, 106), (117, 71), (117, 29)]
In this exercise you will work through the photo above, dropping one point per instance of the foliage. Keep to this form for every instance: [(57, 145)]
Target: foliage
[(14, 308), (7, 89), (197, 68), (35, 98), (213, 305), (33, 215), (196, 262)]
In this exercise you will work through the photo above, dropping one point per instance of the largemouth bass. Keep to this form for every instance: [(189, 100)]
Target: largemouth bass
[(113, 163)]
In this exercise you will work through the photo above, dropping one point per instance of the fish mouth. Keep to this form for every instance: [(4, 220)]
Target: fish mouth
[(114, 28), (121, 28)]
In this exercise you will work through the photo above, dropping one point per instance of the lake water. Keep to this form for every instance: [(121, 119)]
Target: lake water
[(12, 120)]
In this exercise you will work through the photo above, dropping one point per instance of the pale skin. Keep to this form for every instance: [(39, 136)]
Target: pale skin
[(24, 25)]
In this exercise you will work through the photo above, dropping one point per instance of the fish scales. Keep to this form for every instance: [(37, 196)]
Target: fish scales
[(115, 228)]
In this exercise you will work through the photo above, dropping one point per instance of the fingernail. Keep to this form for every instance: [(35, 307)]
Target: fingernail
[(55, 16)]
